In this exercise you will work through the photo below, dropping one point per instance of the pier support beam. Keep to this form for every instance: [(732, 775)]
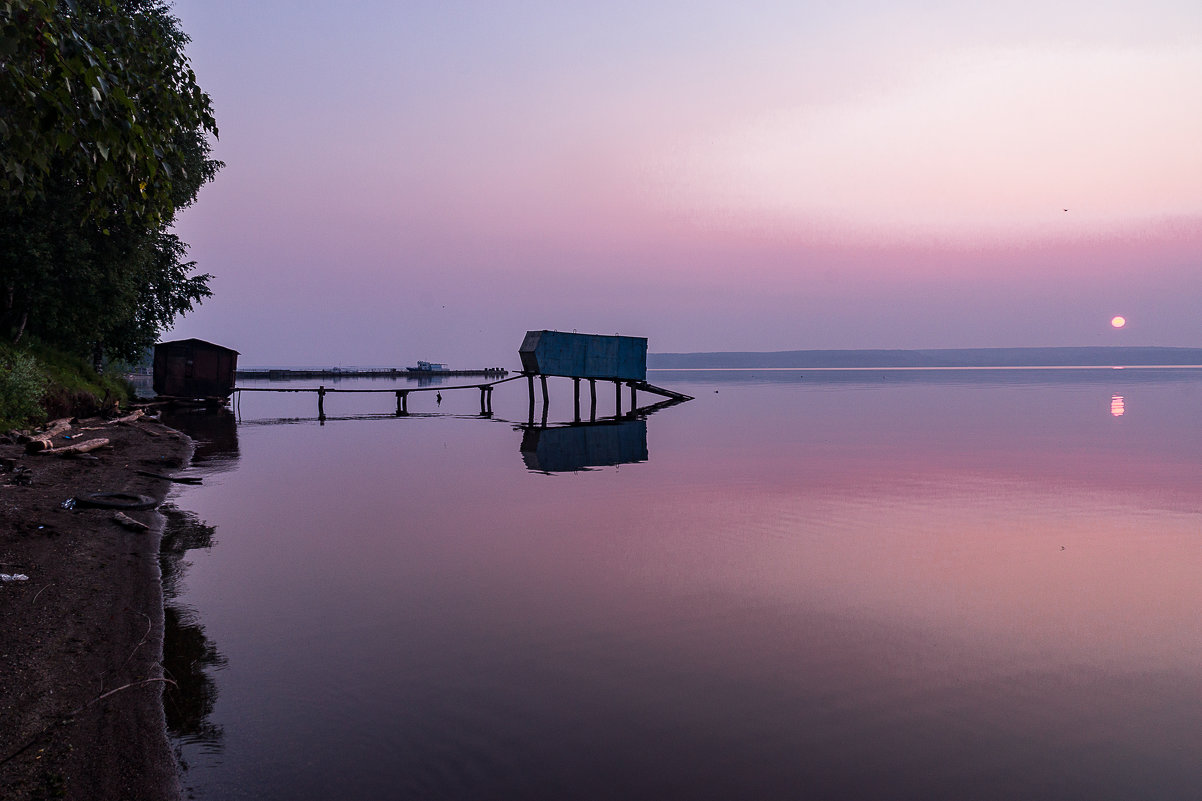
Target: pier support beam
[(543, 378), (321, 404), (576, 394), (634, 402), (530, 381), (592, 392), (617, 399), (402, 402)]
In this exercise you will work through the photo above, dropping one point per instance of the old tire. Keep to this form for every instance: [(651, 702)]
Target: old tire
[(116, 500)]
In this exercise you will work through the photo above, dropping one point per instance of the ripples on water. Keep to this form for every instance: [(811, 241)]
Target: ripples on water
[(863, 584)]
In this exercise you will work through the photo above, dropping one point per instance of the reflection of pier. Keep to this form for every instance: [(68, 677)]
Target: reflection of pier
[(580, 447)]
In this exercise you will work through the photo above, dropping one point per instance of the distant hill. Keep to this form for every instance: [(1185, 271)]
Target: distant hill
[(952, 357)]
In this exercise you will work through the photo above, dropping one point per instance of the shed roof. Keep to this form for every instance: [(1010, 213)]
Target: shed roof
[(195, 341)]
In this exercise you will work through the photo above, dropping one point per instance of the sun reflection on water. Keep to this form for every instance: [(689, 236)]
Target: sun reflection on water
[(1117, 406)]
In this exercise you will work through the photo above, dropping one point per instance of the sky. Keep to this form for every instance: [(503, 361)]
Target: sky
[(430, 180)]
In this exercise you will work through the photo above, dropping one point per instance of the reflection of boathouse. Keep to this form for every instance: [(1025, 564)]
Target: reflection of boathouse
[(580, 447)]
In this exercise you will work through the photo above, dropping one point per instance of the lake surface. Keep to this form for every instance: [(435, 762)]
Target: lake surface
[(803, 584)]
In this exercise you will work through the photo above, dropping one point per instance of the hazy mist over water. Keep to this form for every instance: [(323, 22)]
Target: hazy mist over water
[(862, 584)]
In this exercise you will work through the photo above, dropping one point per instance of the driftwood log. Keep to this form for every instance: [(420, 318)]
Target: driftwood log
[(129, 418), (121, 518), (82, 447), (41, 442)]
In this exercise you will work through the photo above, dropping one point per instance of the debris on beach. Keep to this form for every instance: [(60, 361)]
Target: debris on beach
[(82, 447), (122, 519), (13, 577), (176, 479), (116, 500)]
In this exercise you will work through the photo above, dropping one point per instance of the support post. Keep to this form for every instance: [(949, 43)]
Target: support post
[(398, 404), (617, 399), (321, 404), (634, 403), (592, 392), (483, 405), (530, 381), (576, 393), (404, 396), (490, 399), (543, 378)]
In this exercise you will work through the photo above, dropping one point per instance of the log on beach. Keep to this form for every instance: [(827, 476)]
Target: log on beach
[(41, 442), (82, 447)]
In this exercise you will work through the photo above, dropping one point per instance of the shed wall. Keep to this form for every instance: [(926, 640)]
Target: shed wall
[(194, 369), (584, 355)]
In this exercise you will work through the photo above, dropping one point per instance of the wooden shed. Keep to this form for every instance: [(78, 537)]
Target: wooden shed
[(193, 368), (584, 355)]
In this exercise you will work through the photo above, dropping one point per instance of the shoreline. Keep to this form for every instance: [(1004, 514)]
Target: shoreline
[(81, 675)]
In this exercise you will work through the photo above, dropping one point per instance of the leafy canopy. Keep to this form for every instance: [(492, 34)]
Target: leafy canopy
[(102, 91), (103, 138)]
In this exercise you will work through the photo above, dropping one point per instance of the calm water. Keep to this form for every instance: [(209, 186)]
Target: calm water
[(927, 585)]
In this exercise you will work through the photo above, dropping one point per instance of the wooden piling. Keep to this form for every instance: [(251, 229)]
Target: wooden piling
[(576, 394), (592, 392), (321, 403), (634, 403), (530, 381), (617, 399), (543, 378)]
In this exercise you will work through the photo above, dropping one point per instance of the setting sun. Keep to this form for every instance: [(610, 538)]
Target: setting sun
[(1118, 322)]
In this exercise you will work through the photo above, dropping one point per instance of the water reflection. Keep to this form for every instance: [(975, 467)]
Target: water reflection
[(584, 446), (190, 657), (1117, 406), (848, 586), (214, 433)]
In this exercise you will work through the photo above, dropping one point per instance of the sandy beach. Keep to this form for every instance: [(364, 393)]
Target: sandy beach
[(81, 677)]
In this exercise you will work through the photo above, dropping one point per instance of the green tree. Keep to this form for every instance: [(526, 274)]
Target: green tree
[(103, 138)]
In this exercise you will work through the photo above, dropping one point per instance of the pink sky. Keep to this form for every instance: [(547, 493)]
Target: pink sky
[(429, 180)]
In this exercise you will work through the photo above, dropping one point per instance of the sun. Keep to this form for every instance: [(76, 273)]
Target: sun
[(1118, 322)]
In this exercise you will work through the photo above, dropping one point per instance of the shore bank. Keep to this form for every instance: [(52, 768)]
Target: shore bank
[(81, 675)]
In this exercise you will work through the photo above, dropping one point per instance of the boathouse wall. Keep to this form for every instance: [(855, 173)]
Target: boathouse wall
[(614, 358), (194, 368)]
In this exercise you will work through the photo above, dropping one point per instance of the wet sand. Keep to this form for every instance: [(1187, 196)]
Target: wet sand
[(81, 642)]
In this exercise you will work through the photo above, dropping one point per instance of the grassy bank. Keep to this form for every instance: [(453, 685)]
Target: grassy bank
[(39, 383)]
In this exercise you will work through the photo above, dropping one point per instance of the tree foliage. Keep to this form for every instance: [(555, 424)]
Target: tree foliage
[(103, 138)]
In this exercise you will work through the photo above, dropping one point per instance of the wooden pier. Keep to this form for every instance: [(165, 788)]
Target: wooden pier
[(402, 395), (369, 372), (580, 357), (486, 390)]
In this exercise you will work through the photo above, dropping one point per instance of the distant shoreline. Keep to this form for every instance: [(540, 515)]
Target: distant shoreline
[(947, 358)]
